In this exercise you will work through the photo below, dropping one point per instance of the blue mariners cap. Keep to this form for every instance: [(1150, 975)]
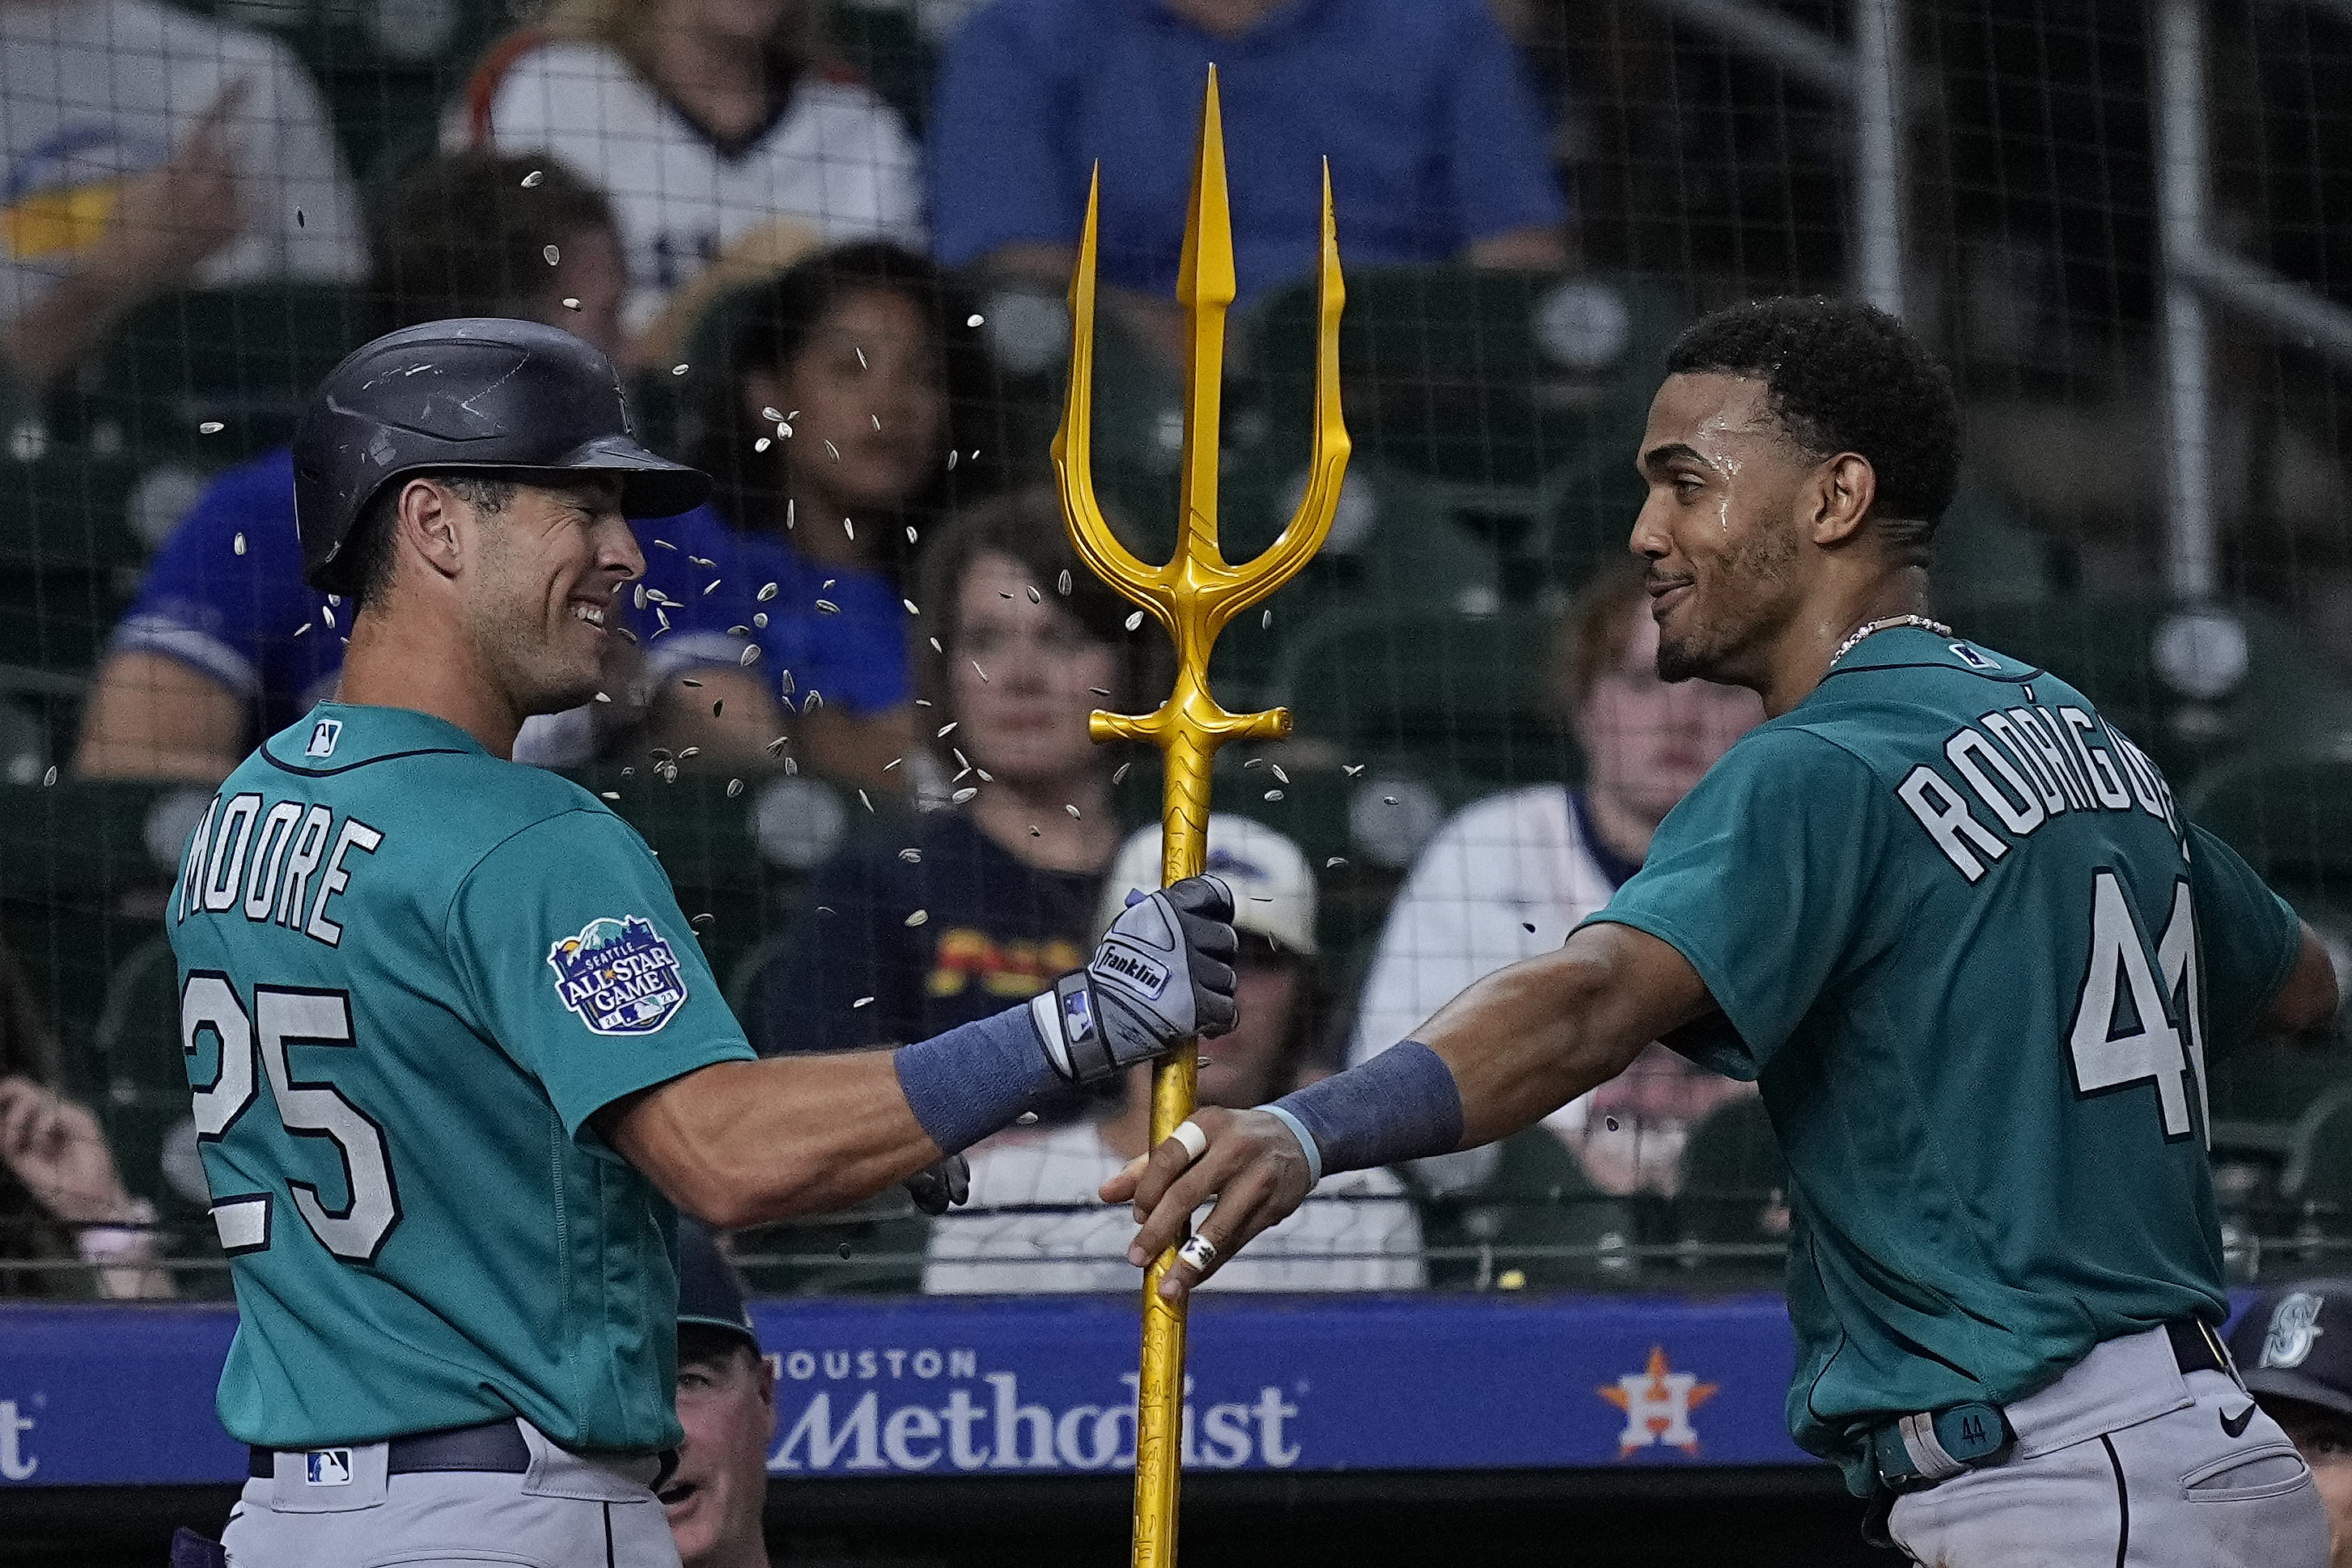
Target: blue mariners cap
[(2295, 1342), (709, 1294)]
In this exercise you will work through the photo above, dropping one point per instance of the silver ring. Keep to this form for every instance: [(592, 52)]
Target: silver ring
[(1200, 1252)]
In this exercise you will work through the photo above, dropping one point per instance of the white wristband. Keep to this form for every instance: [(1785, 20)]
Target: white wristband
[(1306, 1141)]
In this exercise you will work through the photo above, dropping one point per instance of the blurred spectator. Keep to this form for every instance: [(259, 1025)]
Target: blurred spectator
[(1438, 151), (2293, 1345), (1511, 876), (934, 922), (60, 1194), (727, 1403), (147, 148), (225, 644), (863, 354), (726, 138), (1357, 1233)]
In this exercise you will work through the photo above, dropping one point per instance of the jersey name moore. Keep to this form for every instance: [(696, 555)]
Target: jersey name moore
[(281, 863), (2019, 767)]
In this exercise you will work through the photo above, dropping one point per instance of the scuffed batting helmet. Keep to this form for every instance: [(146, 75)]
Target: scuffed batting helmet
[(479, 394)]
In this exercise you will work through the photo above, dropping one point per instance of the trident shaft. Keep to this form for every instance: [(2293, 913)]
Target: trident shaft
[(1194, 596)]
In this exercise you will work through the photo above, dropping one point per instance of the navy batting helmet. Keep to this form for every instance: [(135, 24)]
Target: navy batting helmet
[(513, 398)]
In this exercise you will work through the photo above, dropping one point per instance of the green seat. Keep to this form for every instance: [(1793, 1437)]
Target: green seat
[(2318, 1178), (1502, 406), (2115, 650), (1536, 1223), (1731, 1181), (1461, 696), (246, 359), (70, 562)]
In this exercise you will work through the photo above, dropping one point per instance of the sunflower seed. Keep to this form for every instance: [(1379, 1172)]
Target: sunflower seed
[(1035, 597), (911, 856), (767, 593), (951, 457), (552, 254), (974, 319), (571, 304), (1253, 763), (910, 536), (602, 696), (943, 730), (1265, 622), (827, 608), (776, 746), (748, 656), (1273, 795), (1135, 620), (912, 608), (849, 528), (1062, 582), (919, 917), (980, 672), (237, 544), (211, 427), (863, 801), (1388, 800), (860, 354), (964, 794), (678, 370), (734, 789), (892, 763), (1352, 769), (1071, 809), (834, 451), (1280, 777), (861, 1002), (690, 752), (1027, 1119), (1118, 774), (610, 793), (1334, 863), (1099, 692), (533, 178)]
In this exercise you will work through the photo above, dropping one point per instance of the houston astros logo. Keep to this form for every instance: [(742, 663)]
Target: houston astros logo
[(1657, 1403), (2294, 1323), (619, 975)]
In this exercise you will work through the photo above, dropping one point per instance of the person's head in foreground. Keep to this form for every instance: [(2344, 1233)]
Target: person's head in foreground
[(726, 1404), (1278, 980), (1798, 456), (2294, 1347), (481, 520)]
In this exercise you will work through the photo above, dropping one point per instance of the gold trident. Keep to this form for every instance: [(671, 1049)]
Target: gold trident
[(1195, 597)]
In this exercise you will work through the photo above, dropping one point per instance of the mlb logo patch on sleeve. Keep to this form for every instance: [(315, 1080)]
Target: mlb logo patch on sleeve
[(323, 736), (620, 976)]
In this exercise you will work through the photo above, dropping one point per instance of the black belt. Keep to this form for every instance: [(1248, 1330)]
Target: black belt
[(495, 1448), (1973, 1436)]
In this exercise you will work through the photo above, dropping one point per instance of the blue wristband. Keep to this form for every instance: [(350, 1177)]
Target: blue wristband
[(1306, 1141), (976, 1079), (1403, 1104)]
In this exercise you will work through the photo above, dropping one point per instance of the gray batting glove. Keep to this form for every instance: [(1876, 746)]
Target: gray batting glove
[(1163, 973)]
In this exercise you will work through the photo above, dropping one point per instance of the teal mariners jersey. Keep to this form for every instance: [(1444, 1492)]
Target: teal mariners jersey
[(410, 972), (1962, 939)]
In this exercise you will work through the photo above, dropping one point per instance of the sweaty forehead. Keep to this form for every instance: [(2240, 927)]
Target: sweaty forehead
[(1701, 408)]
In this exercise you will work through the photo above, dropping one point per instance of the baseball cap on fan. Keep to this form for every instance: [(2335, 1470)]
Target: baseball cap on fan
[(2295, 1342), (709, 1295), (1274, 891)]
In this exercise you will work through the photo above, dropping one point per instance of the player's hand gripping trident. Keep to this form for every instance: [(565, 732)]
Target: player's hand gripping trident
[(1194, 596)]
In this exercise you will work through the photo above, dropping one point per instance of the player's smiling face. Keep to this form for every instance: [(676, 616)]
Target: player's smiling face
[(1720, 528), (548, 569)]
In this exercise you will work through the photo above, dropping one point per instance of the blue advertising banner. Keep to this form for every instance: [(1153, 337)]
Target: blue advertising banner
[(123, 1395)]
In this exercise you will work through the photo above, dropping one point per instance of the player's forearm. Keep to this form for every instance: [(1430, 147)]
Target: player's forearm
[(2308, 1002), (1528, 1039), (740, 1143)]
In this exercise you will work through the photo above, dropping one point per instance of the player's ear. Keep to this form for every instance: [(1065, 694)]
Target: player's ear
[(1838, 498), (425, 524)]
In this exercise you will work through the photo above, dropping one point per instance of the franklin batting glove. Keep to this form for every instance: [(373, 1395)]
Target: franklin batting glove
[(1163, 973)]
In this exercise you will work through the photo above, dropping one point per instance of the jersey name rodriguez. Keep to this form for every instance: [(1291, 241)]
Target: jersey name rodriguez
[(2017, 768), (278, 862)]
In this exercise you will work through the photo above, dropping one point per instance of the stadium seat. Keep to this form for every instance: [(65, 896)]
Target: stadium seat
[(882, 43), (1459, 697), (1506, 404), (1536, 1223), (2189, 688), (214, 376), (1731, 1178), (69, 563)]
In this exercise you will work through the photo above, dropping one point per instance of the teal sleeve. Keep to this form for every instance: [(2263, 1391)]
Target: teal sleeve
[(1760, 879), (2246, 934), (581, 967)]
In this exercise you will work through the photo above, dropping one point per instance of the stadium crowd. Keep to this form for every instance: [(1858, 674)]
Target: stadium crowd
[(839, 301)]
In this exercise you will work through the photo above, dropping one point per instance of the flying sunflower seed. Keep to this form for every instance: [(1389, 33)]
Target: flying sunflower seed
[(936, 647), (533, 178), (1118, 774), (1099, 692), (1273, 795), (1135, 620), (678, 370), (776, 746), (861, 355), (849, 528), (792, 766), (827, 608), (1072, 810), (552, 254), (911, 856), (690, 752), (1253, 763), (919, 917), (1334, 863), (666, 544), (834, 451), (760, 620), (1352, 769), (910, 536), (610, 793), (767, 593), (974, 319), (892, 763), (951, 457), (1388, 800), (1027, 1119), (571, 304), (713, 584), (734, 789), (1280, 777), (980, 672), (602, 697), (1035, 831), (944, 729), (237, 544), (50, 777), (1265, 621), (1062, 582), (1035, 597), (211, 427), (329, 614), (863, 801), (863, 1002), (964, 794)]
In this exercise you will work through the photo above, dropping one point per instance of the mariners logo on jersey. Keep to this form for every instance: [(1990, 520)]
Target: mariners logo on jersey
[(620, 976)]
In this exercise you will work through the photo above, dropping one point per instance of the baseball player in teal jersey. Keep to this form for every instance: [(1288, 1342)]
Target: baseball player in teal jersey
[(1956, 927), (454, 1052)]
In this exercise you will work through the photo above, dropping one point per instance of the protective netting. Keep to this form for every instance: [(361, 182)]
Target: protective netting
[(832, 270)]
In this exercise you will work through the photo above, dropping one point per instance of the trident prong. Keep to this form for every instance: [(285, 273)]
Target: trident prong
[(1194, 596)]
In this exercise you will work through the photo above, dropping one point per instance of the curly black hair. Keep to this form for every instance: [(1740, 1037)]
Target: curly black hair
[(1845, 377)]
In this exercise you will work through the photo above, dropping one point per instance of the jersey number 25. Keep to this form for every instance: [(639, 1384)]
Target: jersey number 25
[(2145, 1046), (284, 1015)]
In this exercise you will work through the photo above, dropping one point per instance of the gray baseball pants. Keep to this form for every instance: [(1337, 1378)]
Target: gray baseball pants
[(565, 1511), (2127, 1462)]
